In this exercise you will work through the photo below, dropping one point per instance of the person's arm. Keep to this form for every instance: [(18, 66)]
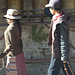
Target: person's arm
[(9, 41), (63, 37), (47, 12)]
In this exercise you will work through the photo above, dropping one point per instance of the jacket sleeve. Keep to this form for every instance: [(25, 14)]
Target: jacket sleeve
[(9, 42), (63, 36), (47, 12)]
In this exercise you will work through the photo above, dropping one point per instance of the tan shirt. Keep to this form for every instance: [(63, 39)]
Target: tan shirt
[(13, 40)]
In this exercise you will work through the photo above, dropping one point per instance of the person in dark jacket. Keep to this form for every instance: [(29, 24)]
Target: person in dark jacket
[(59, 39)]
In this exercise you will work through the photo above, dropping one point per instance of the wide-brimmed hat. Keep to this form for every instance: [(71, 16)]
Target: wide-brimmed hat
[(12, 14), (56, 4), (47, 5)]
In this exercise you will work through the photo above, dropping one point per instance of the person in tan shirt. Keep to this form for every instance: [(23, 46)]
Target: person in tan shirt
[(13, 43)]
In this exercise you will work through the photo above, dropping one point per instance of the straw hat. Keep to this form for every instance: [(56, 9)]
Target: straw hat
[(12, 14)]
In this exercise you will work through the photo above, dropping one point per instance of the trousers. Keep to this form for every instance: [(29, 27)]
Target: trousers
[(16, 65), (56, 64)]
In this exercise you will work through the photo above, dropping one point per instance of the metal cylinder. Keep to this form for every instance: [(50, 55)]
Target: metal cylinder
[(37, 5), (14, 4)]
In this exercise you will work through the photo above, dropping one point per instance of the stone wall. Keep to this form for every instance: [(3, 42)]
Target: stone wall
[(32, 49)]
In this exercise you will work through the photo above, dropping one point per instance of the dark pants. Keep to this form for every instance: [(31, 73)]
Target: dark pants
[(56, 65)]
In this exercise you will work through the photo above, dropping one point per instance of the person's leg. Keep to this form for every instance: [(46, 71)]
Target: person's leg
[(21, 67), (54, 67)]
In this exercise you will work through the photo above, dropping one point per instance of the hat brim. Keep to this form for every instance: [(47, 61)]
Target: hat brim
[(47, 5), (12, 17)]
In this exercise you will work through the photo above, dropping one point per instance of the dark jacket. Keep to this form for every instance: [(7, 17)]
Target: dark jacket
[(60, 41), (60, 44)]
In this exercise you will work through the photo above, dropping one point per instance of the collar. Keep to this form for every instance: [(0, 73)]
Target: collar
[(55, 17)]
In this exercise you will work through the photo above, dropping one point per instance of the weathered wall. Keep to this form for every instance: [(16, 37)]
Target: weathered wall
[(33, 50)]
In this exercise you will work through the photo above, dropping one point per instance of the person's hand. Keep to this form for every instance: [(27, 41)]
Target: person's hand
[(64, 61), (2, 55), (42, 6)]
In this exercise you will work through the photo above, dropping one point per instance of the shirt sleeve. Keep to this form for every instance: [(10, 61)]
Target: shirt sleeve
[(9, 42), (63, 35), (47, 12)]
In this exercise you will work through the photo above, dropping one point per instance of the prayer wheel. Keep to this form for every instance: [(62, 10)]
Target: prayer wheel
[(37, 5), (14, 4)]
